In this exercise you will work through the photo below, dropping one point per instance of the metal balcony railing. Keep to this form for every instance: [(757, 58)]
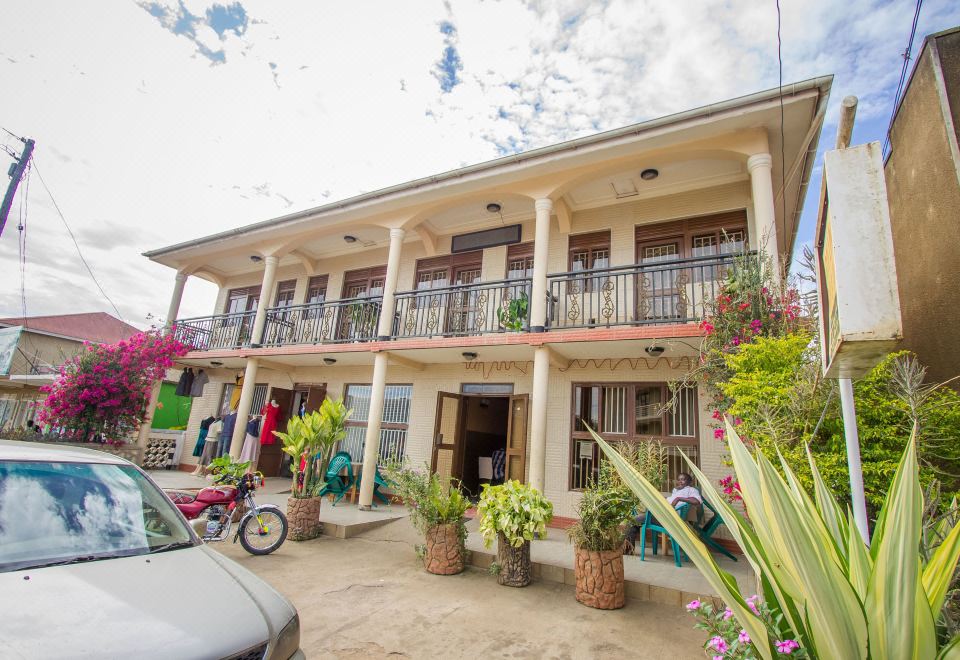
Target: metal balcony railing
[(208, 333), (464, 309), (331, 321), (677, 291)]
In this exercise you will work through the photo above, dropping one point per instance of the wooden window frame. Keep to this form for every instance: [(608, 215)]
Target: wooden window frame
[(247, 292), (365, 276), (450, 263), (631, 435), (517, 252), (286, 286), (686, 229), (589, 242), (315, 283)]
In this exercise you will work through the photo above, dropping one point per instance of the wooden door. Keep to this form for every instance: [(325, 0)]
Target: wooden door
[(271, 456), (315, 397), (446, 435), (517, 438)]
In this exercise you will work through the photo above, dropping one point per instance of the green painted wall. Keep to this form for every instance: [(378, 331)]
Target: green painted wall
[(173, 412)]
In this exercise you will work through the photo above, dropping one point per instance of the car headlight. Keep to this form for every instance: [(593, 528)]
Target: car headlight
[(288, 641)]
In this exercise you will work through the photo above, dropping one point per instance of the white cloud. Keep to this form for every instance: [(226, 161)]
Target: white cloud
[(140, 133)]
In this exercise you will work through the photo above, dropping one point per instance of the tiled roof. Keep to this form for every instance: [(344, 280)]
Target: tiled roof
[(97, 327)]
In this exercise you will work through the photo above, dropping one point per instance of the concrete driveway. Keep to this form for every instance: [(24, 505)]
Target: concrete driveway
[(368, 597)]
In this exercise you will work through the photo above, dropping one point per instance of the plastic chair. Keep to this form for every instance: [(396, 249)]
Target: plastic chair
[(378, 483), (706, 532), (337, 484), (657, 529)]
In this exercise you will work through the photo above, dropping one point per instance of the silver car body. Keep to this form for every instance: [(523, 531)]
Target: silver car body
[(185, 603)]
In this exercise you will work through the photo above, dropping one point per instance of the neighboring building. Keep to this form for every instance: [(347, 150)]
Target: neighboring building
[(503, 305), (923, 187), (43, 343)]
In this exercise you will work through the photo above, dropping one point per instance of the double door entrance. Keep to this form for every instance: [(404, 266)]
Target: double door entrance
[(480, 438)]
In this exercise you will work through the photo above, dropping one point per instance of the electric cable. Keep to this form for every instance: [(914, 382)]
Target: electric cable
[(76, 244), (903, 75)]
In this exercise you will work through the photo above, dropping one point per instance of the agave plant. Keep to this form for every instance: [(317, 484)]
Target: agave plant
[(839, 597)]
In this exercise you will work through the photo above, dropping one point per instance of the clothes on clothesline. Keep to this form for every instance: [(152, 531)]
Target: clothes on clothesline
[(201, 441), (251, 444), (201, 379), (237, 389), (270, 413), (185, 382), (226, 433)]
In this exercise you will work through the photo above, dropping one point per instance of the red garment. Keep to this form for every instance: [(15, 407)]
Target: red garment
[(270, 414)]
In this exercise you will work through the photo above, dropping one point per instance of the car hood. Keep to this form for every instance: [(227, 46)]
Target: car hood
[(186, 603)]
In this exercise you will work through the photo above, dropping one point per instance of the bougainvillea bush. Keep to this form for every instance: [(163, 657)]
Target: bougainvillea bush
[(102, 394)]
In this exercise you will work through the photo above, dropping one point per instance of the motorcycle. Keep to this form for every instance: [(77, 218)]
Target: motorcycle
[(261, 530)]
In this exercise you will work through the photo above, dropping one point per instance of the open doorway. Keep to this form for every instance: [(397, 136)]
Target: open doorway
[(480, 439)]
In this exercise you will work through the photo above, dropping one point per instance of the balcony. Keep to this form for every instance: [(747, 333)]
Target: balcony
[(667, 292), (331, 321), (210, 333), (463, 310)]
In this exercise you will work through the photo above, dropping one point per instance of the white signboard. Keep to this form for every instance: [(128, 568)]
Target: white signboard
[(9, 338)]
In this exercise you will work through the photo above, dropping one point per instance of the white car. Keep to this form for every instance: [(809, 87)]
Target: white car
[(96, 562)]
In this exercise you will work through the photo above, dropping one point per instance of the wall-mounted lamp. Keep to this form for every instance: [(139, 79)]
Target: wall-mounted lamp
[(649, 174), (654, 350), (256, 258), (469, 356), (349, 239), (216, 363), (329, 361)]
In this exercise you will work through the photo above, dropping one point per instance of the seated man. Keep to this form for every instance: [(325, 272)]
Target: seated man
[(684, 493)]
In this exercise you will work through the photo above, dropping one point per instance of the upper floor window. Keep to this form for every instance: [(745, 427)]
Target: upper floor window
[(520, 261), (242, 300), (365, 282), (708, 236), (589, 251), (440, 272), (317, 290), (285, 291)]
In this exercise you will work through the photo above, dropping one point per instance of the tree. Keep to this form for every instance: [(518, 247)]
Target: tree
[(104, 391)]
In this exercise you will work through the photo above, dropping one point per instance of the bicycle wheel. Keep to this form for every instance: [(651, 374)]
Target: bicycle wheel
[(259, 540)]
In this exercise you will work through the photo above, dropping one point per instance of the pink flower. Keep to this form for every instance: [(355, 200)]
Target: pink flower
[(743, 637), (693, 605), (727, 614), (786, 647), (719, 433), (718, 657), (707, 328), (717, 415), (719, 644)]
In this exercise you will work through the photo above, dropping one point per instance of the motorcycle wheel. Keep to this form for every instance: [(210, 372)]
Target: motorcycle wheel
[(256, 541)]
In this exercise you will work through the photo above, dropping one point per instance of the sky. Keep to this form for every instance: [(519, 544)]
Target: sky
[(157, 122)]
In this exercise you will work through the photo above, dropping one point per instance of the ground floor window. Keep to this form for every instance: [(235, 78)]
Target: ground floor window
[(630, 413), (393, 424)]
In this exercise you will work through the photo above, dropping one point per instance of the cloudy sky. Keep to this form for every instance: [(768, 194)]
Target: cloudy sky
[(157, 122)]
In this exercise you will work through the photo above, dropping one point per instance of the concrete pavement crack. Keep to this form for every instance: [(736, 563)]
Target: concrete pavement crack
[(351, 586)]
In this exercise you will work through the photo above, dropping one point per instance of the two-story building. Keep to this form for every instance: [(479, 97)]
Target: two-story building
[(497, 308)]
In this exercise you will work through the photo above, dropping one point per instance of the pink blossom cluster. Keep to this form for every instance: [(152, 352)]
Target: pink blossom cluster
[(731, 488), (103, 392)]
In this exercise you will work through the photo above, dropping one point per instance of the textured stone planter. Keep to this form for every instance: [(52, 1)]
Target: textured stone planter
[(444, 552), (303, 518), (514, 563), (600, 578)]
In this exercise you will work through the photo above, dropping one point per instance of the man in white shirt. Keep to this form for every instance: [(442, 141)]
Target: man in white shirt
[(684, 493)]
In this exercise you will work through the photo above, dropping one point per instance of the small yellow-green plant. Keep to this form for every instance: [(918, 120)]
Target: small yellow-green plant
[(516, 510)]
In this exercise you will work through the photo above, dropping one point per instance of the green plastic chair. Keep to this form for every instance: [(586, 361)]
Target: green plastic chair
[(337, 484), (657, 529), (378, 483), (706, 531)]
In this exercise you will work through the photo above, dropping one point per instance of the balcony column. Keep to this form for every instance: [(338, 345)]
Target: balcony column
[(243, 407), (538, 417), (371, 444), (266, 296), (385, 328), (541, 247), (760, 167), (175, 299)]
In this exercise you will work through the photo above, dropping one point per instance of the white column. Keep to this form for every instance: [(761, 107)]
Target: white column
[(175, 299), (385, 329), (541, 247), (243, 406), (266, 298), (371, 446), (764, 213), (538, 417), (858, 500)]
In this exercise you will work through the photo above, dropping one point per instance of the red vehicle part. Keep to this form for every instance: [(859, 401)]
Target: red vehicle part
[(192, 505)]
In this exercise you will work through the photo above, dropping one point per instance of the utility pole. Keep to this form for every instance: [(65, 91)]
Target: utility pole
[(16, 173)]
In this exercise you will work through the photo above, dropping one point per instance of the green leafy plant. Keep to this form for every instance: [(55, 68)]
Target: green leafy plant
[(730, 641), (838, 597), (430, 500), (514, 316), (311, 440), (224, 466), (516, 510)]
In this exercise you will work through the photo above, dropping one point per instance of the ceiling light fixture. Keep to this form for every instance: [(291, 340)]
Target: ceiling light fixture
[(256, 258), (350, 239), (649, 174), (493, 207), (329, 361), (216, 363), (470, 356), (654, 350)]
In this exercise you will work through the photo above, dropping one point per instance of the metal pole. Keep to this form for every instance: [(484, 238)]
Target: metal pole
[(15, 177), (853, 457)]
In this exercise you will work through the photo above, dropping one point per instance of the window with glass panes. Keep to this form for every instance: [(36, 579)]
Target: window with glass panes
[(393, 424), (285, 291), (631, 413)]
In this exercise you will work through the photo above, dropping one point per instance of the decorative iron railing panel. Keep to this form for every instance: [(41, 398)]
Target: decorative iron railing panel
[(464, 309), (676, 291), (208, 333), (331, 321)]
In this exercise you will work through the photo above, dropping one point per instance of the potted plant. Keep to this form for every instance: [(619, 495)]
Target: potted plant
[(436, 510), (513, 513), (598, 538), (310, 440), (224, 466), (513, 317)]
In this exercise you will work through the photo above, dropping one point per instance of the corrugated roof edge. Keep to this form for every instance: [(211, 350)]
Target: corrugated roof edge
[(823, 83)]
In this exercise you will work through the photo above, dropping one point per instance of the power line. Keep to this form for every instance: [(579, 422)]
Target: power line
[(903, 75), (75, 244)]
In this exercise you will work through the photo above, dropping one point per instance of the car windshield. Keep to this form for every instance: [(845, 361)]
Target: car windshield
[(57, 513)]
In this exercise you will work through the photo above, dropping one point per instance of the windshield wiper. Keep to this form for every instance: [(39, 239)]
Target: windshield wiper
[(74, 560), (176, 545)]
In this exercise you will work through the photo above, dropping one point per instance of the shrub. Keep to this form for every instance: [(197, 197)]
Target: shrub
[(430, 500), (516, 510)]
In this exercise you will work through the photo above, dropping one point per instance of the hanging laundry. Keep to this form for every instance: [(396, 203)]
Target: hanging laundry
[(201, 379), (185, 383), (270, 412), (235, 397), (226, 433), (251, 445), (202, 437)]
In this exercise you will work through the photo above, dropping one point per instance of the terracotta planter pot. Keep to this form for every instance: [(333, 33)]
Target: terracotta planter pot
[(514, 563), (303, 517), (444, 553), (600, 578)]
